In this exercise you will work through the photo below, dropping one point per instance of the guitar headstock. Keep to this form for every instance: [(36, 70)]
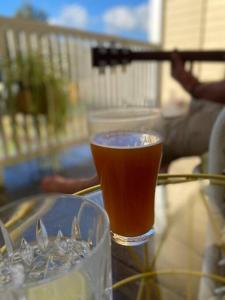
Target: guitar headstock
[(102, 56)]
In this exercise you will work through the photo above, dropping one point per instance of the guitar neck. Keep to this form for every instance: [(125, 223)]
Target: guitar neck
[(112, 56), (210, 56)]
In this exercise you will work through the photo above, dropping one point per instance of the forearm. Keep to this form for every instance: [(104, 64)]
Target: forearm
[(214, 91)]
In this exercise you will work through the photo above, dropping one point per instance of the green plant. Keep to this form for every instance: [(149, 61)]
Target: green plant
[(32, 87)]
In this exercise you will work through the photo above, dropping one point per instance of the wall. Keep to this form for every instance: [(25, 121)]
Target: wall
[(196, 25)]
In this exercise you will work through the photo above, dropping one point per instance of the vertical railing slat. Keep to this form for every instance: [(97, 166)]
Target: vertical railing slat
[(14, 44), (87, 73), (5, 145)]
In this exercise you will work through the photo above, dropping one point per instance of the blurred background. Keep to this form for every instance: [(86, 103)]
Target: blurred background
[(48, 83)]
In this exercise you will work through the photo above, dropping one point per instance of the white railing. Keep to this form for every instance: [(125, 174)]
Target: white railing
[(69, 51)]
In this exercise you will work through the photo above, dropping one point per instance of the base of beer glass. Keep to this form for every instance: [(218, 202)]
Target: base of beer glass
[(133, 240)]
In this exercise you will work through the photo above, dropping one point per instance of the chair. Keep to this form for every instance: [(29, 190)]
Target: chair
[(214, 256), (217, 158)]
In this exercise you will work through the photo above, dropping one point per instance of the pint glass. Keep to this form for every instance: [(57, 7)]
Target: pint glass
[(127, 164)]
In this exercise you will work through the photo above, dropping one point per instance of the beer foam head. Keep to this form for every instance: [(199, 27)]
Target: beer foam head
[(126, 139)]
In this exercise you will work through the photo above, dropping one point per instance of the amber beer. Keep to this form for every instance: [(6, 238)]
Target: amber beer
[(127, 164)]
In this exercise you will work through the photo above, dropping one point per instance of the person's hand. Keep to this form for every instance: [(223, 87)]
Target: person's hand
[(177, 66), (178, 72)]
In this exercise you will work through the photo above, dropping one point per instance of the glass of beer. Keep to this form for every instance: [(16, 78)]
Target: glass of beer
[(127, 164)]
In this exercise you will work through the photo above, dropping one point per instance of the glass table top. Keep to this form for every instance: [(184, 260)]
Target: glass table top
[(184, 256), (185, 259)]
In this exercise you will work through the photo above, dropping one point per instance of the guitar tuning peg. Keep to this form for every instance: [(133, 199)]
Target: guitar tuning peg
[(124, 68), (102, 50), (101, 70), (113, 52), (113, 69)]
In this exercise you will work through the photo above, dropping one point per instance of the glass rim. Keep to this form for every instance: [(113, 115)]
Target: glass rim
[(82, 261), (106, 114)]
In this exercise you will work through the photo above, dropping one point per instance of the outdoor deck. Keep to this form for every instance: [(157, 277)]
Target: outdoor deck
[(26, 142)]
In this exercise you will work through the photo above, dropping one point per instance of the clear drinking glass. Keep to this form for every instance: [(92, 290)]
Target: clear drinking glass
[(127, 153), (127, 164), (139, 119), (55, 247)]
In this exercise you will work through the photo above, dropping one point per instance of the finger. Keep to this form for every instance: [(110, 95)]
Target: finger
[(176, 58)]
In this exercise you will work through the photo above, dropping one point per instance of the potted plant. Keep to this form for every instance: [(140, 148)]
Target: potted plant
[(32, 87)]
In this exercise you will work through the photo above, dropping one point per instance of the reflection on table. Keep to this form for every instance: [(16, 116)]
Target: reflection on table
[(189, 243)]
